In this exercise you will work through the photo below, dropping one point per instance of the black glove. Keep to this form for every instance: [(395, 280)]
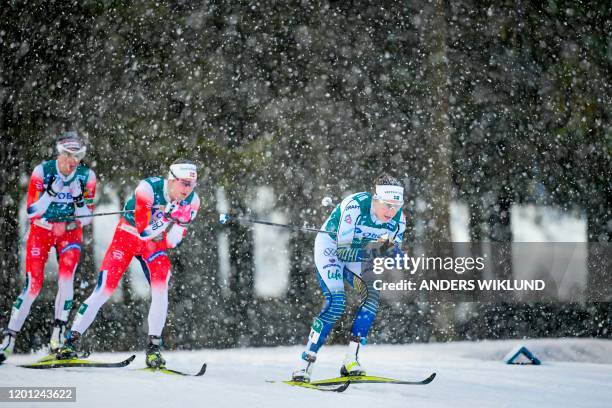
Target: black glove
[(76, 190), (55, 186), (387, 244), (379, 249)]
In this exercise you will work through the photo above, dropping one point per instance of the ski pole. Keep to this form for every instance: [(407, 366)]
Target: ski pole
[(74, 217), (224, 218)]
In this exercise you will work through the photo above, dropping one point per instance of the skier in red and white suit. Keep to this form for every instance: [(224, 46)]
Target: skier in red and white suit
[(156, 219), (58, 189)]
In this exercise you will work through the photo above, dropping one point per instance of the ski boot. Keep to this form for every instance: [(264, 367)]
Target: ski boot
[(8, 343), (351, 366), (57, 336), (69, 350), (154, 358), (303, 373)]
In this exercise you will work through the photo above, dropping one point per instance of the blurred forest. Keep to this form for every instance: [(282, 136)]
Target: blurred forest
[(490, 103)]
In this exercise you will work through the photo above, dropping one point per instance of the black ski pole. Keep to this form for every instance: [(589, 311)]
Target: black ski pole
[(224, 218), (74, 217)]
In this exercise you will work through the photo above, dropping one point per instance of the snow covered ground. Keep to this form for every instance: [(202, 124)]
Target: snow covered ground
[(575, 373)]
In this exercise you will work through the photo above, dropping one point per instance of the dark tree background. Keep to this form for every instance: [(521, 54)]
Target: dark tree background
[(489, 103)]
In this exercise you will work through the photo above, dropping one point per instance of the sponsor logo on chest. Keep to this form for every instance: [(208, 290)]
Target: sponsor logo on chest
[(63, 196), (371, 233)]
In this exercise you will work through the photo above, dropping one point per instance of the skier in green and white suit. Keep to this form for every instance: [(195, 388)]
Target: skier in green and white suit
[(361, 219)]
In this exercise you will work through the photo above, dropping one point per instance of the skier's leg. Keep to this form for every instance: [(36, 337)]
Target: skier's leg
[(366, 314), (37, 251), (368, 308), (333, 308), (329, 273), (69, 252), (116, 260), (156, 266)]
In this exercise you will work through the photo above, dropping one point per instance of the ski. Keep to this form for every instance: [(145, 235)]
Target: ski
[(77, 363), (49, 357), (176, 372), (319, 387), (367, 379), (52, 356)]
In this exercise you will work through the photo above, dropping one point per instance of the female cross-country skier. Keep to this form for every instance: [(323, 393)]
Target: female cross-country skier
[(359, 220)]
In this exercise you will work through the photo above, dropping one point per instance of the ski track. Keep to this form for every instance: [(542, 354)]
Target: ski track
[(575, 373)]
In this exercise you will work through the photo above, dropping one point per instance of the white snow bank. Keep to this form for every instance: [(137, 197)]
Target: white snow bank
[(470, 375)]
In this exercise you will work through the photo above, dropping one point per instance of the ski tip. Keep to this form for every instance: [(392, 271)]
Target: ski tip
[(343, 387), (166, 370), (129, 360), (202, 370), (429, 379)]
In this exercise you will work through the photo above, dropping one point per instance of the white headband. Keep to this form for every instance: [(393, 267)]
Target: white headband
[(390, 193), (183, 171), (71, 146)]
